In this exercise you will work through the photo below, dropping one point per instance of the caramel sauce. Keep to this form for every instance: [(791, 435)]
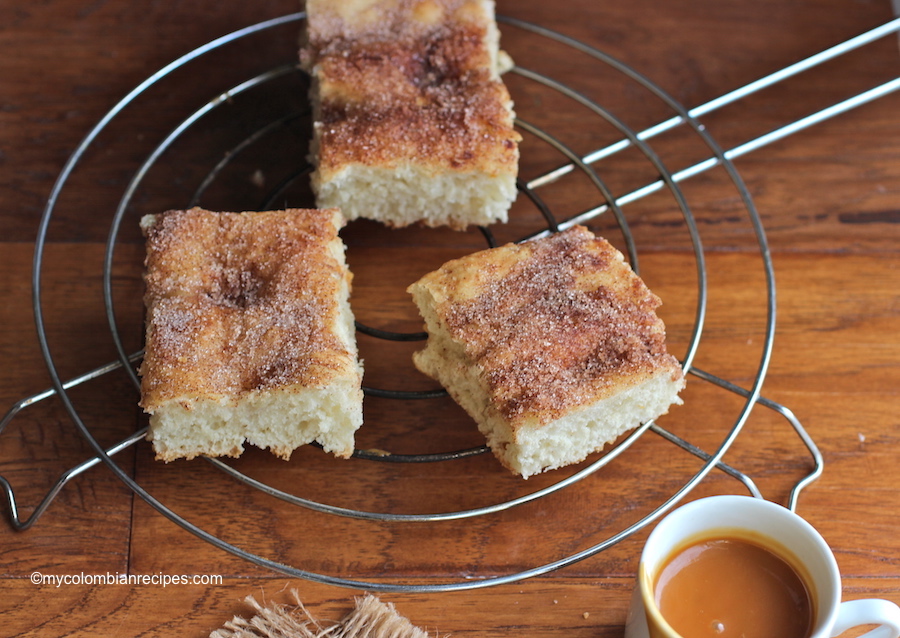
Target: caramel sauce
[(733, 588)]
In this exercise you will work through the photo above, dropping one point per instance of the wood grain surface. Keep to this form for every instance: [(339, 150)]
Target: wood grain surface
[(828, 198)]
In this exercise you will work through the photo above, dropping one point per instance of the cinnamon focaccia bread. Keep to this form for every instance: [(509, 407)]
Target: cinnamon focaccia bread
[(552, 346), (411, 121), (249, 334)]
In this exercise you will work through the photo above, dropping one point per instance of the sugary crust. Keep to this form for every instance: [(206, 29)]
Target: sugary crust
[(408, 82), (550, 326), (239, 303), (466, 129)]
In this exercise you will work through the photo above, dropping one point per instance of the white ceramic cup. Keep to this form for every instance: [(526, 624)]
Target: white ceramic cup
[(765, 521)]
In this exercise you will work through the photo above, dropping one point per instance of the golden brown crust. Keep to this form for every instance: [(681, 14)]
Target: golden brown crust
[(240, 302), (412, 81), (551, 325)]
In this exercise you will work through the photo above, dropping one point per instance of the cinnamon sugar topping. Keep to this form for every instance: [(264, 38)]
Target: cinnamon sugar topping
[(551, 324), (408, 81), (239, 302)]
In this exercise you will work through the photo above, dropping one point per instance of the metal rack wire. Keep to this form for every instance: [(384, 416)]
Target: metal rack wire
[(610, 203)]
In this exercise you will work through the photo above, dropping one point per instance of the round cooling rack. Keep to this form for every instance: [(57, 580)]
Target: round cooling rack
[(601, 202)]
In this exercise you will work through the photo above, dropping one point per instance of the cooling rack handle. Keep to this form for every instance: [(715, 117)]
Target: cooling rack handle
[(11, 502), (791, 418)]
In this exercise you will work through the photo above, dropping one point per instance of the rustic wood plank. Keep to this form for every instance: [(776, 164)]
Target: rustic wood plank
[(695, 61)]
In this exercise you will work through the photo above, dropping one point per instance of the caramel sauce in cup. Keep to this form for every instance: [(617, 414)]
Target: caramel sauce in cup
[(728, 586)]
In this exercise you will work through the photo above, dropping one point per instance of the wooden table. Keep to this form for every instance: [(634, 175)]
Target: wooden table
[(827, 197)]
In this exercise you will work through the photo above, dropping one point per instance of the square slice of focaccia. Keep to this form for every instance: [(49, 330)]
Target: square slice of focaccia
[(552, 346), (249, 334), (411, 121)]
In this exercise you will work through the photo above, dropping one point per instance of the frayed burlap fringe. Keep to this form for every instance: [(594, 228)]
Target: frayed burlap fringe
[(371, 618), (273, 621), (374, 619)]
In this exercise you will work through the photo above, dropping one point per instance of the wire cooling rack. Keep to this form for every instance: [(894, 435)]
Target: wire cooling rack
[(603, 202)]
